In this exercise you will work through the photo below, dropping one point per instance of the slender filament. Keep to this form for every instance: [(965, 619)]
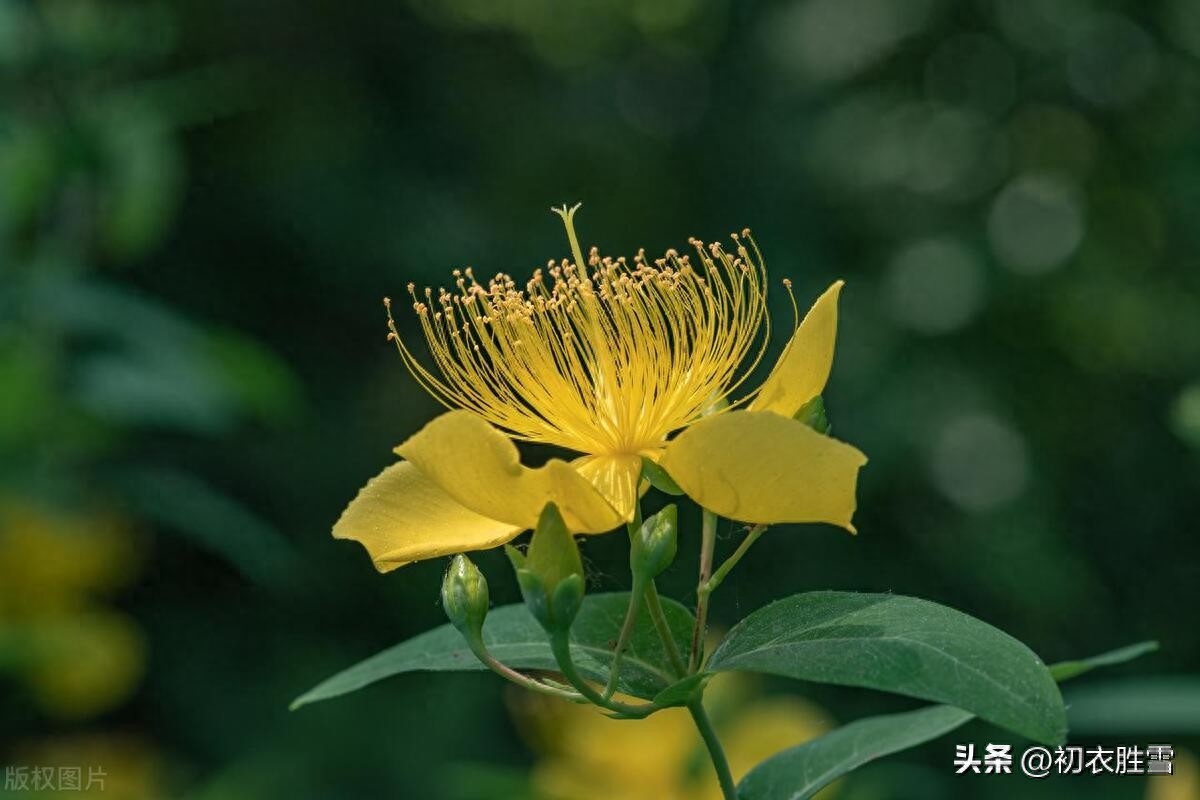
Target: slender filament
[(604, 357)]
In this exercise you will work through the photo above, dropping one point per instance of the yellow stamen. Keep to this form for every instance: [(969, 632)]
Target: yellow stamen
[(598, 355)]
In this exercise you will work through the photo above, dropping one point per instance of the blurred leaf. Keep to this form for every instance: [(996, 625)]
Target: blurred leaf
[(1065, 670), (27, 397), (147, 365), (189, 506), (256, 378), (802, 771), (29, 167), (144, 182), (515, 638), (903, 645), (1157, 706), (134, 391)]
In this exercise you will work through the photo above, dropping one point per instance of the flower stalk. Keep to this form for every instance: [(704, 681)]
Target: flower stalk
[(631, 613), (708, 542), (715, 751), (560, 645), (723, 571), (654, 607)]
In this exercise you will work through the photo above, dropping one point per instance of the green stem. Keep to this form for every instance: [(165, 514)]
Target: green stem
[(626, 629), (522, 680), (732, 561), (708, 541), (654, 606), (715, 751), (560, 644)]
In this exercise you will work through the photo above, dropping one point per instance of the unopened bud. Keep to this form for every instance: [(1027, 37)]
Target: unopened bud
[(551, 573), (652, 546), (465, 597)]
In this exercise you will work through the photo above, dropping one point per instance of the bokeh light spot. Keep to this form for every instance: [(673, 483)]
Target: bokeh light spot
[(1035, 224), (1185, 415), (1112, 62), (934, 286), (832, 40), (980, 463)]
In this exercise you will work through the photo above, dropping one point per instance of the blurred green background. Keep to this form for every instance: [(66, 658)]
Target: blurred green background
[(203, 203)]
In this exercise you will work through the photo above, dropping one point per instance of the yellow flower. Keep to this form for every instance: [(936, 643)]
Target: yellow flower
[(96, 766), (77, 658), (84, 664), (53, 562), (607, 358), (1182, 784), (585, 755)]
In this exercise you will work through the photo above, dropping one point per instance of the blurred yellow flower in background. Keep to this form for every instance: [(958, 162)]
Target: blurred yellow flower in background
[(76, 657), (52, 560), (606, 358), (585, 755), (107, 767), (1182, 784)]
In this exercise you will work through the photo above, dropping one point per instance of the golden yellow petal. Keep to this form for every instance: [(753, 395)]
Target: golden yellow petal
[(401, 516), (801, 372), (760, 467), (480, 467), (616, 477)]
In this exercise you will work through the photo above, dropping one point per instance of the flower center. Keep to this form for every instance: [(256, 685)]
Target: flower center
[(607, 358)]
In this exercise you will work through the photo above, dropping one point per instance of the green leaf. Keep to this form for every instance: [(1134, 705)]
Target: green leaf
[(514, 637), (659, 478), (185, 504), (1156, 706), (1065, 670), (683, 692), (813, 415), (902, 645), (802, 771)]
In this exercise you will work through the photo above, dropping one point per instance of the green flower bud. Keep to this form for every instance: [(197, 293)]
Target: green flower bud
[(812, 414), (652, 546), (567, 599), (553, 554), (551, 573), (465, 597)]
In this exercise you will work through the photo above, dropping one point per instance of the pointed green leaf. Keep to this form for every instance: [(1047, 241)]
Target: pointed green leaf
[(515, 638), (901, 645), (1065, 670), (802, 771), (1153, 706)]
